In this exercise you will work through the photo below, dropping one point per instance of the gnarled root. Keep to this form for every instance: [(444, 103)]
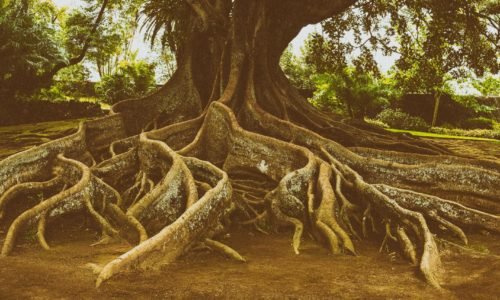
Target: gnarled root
[(32, 187), (194, 223), (179, 198), (325, 212), (41, 231), (55, 204), (224, 249), (435, 207)]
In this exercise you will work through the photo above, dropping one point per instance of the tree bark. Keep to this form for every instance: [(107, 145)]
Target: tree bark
[(437, 100)]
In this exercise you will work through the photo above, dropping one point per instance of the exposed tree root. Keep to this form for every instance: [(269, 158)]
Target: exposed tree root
[(230, 141), (180, 233), (436, 207), (177, 200), (69, 199), (417, 159), (224, 249), (41, 232), (28, 187)]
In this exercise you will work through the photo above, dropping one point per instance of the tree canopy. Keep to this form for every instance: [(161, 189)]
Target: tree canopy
[(430, 38), (41, 39)]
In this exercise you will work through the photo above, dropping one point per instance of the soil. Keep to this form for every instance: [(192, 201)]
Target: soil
[(272, 270)]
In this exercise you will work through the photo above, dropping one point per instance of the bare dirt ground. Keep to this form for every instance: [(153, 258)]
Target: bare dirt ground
[(272, 270)]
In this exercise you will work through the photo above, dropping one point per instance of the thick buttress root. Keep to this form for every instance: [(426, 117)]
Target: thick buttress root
[(181, 194), (198, 216)]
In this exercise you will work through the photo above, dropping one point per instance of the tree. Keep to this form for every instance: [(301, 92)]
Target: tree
[(228, 138), (29, 46), (434, 41), (111, 42), (355, 81), (296, 70), (488, 86), (41, 40), (83, 42), (359, 92), (440, 48), (70, 82)]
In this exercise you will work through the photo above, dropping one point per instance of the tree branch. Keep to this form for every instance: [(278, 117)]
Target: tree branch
[(208, 14), (86, 45), (311, 12)]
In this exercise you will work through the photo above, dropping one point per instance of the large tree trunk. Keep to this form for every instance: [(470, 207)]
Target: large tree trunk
[(228, 139)]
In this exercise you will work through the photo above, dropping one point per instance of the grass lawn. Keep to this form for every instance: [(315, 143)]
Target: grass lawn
[(441, 136), (103, 105), (21, 137)]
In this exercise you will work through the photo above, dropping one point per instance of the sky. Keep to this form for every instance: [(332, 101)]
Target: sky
[(68, 3)]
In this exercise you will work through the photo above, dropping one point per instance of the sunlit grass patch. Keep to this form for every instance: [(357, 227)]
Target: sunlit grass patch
[(441, 136)]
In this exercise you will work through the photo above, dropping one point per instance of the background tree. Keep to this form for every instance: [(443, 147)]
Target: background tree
[(228, 138), (359, 92), (355, 81), (41, 39), (73, 81), (297, 71), (112, 41), (435, 41), (488, 85), (29, 46)]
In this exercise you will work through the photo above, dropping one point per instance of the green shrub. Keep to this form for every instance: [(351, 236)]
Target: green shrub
[(376, 123), (478, 123), (116, 87), (132, 79), (52, 93), (352, 93), (401, 120), (448, 126), (481, 133)]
